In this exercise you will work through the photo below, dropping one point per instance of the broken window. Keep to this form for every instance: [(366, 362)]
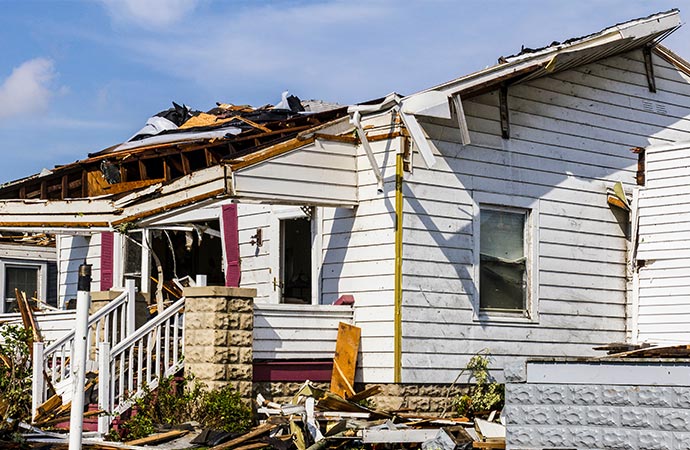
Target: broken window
[(503, 277)]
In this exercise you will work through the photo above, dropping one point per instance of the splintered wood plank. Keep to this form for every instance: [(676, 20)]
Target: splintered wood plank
[(47, 407), (254, 433), (345, 359), (158, 438)]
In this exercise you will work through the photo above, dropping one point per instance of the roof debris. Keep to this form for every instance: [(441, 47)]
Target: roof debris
[(174, 143)]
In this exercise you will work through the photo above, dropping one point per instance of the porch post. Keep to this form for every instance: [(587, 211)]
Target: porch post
[(131, 289), (38, 382), (104, 383), (219, 325), (81, 327)]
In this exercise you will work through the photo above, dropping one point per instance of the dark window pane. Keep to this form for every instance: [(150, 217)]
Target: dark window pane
[(23, 278), (502, 267)]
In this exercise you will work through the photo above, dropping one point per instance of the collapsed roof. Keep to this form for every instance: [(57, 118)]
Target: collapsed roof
[(174, 143)]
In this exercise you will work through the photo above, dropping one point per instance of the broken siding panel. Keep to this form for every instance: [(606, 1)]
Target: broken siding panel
[(564, 154), (664, 291), (72, 252)]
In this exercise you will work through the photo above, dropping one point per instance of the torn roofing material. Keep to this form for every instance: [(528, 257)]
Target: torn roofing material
[(174, 143)]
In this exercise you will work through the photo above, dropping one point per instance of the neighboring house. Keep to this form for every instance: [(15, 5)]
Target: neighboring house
[(27, 263), (470, 216)]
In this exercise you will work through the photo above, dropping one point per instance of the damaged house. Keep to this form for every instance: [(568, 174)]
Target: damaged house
[(489, 212)]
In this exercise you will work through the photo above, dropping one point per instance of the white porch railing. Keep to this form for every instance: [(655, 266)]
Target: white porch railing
[(51, 365), (152, 352)]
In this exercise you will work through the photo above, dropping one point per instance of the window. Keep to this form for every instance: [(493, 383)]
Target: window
[(503, 268), (28, 278)]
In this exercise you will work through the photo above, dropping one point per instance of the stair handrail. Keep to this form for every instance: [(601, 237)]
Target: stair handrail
[(148, 326), (128, 368), (98, 315)]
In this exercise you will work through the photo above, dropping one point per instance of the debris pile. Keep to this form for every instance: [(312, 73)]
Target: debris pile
[(317, 419)]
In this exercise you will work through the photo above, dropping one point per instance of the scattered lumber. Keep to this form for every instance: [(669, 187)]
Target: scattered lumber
[(158, 438), (254, 433)]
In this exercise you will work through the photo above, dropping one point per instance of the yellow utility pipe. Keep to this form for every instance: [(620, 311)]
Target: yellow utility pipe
[(397, 346)]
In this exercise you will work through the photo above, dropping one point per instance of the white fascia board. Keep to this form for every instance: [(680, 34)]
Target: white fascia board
[(636, 29), (71, 231), (429, 103), (202, 211), (647, 27), (388, 102), (56, 207)]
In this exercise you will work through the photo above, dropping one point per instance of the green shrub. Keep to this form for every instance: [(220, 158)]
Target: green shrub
[(179, 400), (15, 377), (223, 409), (484, 395)]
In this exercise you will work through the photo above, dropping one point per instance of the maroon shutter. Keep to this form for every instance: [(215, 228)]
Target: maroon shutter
[(231, 240), (106, 260)]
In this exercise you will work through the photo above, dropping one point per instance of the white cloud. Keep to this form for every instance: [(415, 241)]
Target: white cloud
[(150, 13), (27, 89)]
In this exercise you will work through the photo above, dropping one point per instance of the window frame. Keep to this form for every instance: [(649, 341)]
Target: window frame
[(274, 234), (41, 282), (516, 204)]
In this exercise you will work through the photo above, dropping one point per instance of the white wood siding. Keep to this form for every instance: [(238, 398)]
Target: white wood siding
[(255, 261), (322, 173), (570, 139), (53, 324), (664, 246), (359, 259), (297, 331), (72, 251)]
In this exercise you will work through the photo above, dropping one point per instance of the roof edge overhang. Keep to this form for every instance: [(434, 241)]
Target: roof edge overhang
[(630, 35)]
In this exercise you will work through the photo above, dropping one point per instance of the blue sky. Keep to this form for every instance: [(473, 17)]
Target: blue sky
[(79, 76)]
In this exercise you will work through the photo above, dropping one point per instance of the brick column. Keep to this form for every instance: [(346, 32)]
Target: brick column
[(219, 323)]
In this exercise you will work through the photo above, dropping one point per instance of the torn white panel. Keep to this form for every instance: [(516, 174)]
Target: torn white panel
[(462, 120), (419, 138), (367, 149), (430, 104), (155, 125)]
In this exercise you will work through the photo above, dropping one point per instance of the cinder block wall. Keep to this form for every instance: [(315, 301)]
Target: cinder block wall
[(598, 405), (219, 322)]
